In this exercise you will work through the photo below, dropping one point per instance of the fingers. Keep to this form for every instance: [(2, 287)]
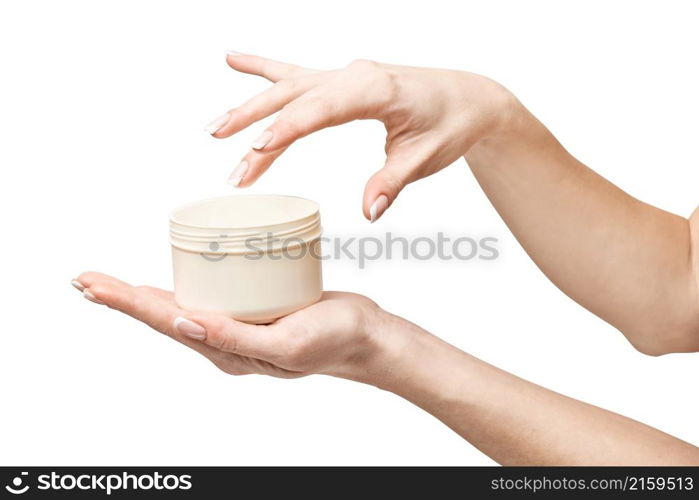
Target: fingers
[(90, 278), (228, 335), (383, 188), (407, 161), (144, 304), (319, 108), (261, 106), (253, 165), (152, 306), (158, 292), (312, 111), (266, 68), (308, 104), (296, 120), (202, 331), (86, 280)]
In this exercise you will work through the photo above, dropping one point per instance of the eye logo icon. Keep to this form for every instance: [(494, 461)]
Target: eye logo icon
[(214, 246), (16, 488)]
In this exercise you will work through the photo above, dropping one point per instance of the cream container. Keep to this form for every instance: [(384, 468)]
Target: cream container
[(255, 258)]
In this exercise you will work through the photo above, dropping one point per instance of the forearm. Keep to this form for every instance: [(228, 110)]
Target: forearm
[(626, 261), (509, 419)]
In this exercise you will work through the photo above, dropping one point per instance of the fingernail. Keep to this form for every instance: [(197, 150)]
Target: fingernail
[(189, 328), (233, 53), (213, 126), (238, 173), (377, 208), (77, 285), (91, 298), (262, 141)]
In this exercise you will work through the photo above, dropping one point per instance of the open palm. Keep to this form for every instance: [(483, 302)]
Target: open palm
[(330, 336)]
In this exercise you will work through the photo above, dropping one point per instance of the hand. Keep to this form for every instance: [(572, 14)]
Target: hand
[(347, 335), (432, 116), (339, 335)]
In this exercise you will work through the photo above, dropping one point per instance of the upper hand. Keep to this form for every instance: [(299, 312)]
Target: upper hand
[(432, 116)]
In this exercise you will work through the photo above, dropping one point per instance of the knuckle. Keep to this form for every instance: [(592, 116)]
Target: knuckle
[(221, 338), (324, 108), (296, 350), (243, 113), (102, 295), (144, 289), (295, 353), (387, 87), (363, 65), (286, 85), (320, 111), (87, 277), (391, 180), (295, 71), (98, 290), (137, 303), (383, 83), (289, 127), (266, 67)]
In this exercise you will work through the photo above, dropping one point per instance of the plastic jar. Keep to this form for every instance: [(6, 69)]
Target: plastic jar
[(251, 257)]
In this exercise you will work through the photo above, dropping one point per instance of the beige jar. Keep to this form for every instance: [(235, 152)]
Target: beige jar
[(252, 257)]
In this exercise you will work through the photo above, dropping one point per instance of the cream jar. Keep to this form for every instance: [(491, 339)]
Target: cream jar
[(255, 258)]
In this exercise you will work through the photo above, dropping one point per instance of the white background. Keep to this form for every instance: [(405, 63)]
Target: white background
[(102, 108)]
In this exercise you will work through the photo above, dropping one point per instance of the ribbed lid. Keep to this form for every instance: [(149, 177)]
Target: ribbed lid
[(244, 224)]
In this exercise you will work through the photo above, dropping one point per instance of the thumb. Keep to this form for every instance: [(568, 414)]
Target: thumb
[(382, 189)]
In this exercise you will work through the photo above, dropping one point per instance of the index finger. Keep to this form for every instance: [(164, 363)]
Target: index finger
[(266, 68)]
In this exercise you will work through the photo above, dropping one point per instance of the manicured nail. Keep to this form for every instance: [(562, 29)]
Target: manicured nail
[(91, 298), (233, 53), (377, 208), (262, 141), (214, 125), (238, 173), (189, 328), (77, 285)]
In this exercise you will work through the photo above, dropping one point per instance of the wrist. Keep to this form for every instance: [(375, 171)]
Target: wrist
[(512, 119), (412, 363), (395, 344), (385, 342), (517, 134)]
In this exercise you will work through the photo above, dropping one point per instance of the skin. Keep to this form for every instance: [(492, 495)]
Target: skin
[(346, 335), (633, 265)]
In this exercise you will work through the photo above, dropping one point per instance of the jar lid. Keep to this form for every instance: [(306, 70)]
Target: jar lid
[(244, 224)]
